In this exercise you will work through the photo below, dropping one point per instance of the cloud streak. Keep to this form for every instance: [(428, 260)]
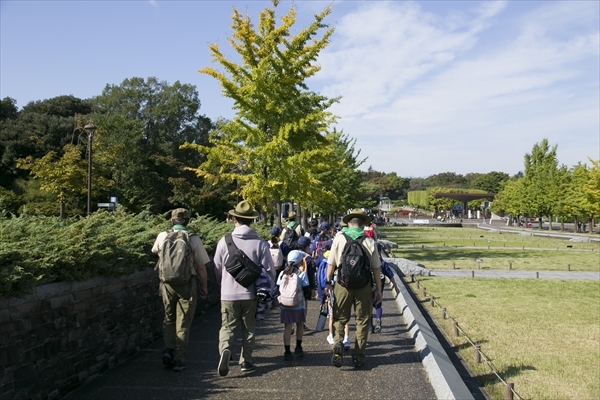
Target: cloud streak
[(422, 80)]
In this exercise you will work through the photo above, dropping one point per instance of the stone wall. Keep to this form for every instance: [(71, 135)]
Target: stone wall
[(65, 333)]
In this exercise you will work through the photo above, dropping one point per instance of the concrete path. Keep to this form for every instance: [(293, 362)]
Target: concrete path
[(394, 368), (517, 274)]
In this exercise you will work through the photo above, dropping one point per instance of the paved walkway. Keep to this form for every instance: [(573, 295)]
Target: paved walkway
[(393, 370), (517, 274)]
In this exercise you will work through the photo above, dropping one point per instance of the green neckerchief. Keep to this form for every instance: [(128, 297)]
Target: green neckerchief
[(177, 227), (291, 224), (354, 232)]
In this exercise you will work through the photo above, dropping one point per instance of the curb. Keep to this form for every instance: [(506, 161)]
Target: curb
[(445, 379)]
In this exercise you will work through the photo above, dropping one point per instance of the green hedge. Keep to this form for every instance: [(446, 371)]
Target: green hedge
[(35, 250)]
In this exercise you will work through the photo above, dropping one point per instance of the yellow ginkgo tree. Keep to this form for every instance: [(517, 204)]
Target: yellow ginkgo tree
[(277, 144)]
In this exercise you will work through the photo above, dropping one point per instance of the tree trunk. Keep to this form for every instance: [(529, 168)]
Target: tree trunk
[(62, 210), (278, 217), (562, 225), (550, 222), (540, 223), (575, 224)]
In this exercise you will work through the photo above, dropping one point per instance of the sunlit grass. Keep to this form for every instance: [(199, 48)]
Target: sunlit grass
[(543, 335), (447, 248)]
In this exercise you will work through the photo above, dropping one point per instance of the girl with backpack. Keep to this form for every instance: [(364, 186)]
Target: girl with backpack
[(293, 290)]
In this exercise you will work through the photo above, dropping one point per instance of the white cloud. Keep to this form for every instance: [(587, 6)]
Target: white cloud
[(439, 82)]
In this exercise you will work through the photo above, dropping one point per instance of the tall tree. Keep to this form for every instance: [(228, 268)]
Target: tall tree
[(141, 125), (490, 182), (541, 181), (276, 144)]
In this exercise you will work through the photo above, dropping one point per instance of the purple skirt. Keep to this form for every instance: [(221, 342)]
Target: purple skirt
[(292, 316)]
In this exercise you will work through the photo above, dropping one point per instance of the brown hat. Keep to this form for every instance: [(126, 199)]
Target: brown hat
[(244, 210), (357, 213), (291, 216), (180, 213)]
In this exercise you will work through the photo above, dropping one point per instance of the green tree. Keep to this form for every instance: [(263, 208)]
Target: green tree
[(446, 180), (62, 177), (276, 145), (490, 182), (8, 109), (141, 127), (542, 186)]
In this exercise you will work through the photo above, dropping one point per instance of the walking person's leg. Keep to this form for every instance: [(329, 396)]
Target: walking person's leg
[(363, 307), (230, 320), (169, 299), (342, 307), (248, 316), (186, 306)]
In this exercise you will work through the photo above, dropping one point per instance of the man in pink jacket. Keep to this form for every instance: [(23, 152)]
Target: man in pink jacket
[(238, 303)]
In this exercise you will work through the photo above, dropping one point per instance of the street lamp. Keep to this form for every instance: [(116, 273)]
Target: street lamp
[(89, 129)]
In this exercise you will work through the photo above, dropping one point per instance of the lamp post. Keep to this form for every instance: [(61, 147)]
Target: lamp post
[(89, 129)]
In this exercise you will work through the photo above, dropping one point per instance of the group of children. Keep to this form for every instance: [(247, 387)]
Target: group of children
[(302, 270)]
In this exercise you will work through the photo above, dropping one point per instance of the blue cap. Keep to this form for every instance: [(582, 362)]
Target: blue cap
[(275, 231), (324, 225), (295, 256), (303, 241)]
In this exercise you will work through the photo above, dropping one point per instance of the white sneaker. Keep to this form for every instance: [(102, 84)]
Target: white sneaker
[(330, 339), (346, 342)]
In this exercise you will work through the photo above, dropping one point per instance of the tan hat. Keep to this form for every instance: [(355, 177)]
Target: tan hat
[(180, 213), (291, 216), (244, 210), (357, 213)]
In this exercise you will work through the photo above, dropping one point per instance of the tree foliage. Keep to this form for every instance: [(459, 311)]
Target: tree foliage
[(277, 145)]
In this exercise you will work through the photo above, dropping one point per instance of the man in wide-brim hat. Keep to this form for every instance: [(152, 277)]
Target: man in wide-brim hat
[(238, 303), (359, 297)]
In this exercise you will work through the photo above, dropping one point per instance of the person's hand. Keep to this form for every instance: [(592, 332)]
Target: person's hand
[(378, 296), (203, 293), (328, 288)]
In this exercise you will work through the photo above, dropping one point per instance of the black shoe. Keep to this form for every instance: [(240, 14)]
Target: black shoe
[(299, 352), (288, 356), (223, 367), (306, 328), (357, 362), (247, 366), (179, 366), (338, 355), (167, 358)]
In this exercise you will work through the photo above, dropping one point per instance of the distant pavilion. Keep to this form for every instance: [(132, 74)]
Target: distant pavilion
[(465, 198)]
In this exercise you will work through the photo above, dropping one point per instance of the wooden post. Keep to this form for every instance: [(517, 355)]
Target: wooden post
[(444, 316), (537, 275), (477, 354), (568, 267), (453, 265), (424, 292), (472, 274), (509, 390), (455, 328), (510, 266)]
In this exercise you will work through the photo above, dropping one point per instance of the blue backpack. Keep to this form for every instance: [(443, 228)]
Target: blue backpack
[(322, 273)]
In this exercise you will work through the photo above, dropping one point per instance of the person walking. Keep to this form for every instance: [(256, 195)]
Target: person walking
[(238, 303), (179, 298), (355, 259), (293, 312)]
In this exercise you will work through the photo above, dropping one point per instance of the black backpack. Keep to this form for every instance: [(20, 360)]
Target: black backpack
[(291, 238), (354, 271)]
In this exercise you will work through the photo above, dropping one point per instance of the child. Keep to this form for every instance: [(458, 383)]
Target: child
[(386, 271), (275, 250), (290, 315)]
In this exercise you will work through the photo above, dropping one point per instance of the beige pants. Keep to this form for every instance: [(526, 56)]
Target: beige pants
[(343, 300), (233, 315), (180, 304)]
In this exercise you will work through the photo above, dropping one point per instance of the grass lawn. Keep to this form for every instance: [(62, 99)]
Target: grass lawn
[(445, 248), (543, 335)]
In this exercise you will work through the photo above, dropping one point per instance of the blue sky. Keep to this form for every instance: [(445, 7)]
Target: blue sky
[(427, 87)]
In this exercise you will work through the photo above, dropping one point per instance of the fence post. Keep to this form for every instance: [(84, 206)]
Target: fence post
[(455, 328), (509, 265), (472, 274), (432, 302), (537, 275), (568, 267), (444, 316), (478, 354), (509, 390), (453, 265), (424, 292)]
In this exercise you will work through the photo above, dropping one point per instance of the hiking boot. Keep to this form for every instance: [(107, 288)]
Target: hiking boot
[(167, 358), (288, 356), (377, 327), (247, 366), (299, 352), (330, 339), (346, 343), (338, 355), (223, 367), (179, 366), (357, 362)]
